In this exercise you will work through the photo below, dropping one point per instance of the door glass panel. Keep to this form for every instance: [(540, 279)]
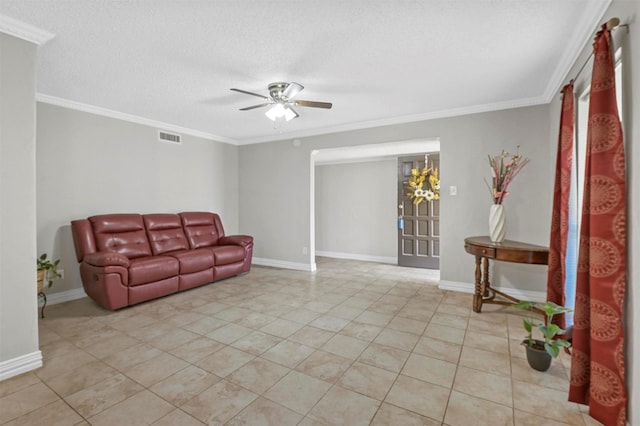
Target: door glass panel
[(406, 168)]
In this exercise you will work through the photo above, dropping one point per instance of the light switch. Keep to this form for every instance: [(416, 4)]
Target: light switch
[(453, 190)]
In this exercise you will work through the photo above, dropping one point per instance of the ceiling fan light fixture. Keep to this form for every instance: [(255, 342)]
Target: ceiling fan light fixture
[(279, 110), (281, 100), (289, 114)]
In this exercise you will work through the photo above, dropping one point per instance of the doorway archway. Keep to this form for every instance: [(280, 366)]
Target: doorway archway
[(359, 153)]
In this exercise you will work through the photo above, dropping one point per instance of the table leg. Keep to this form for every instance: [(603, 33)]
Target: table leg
[(485, 277), (477, 295)]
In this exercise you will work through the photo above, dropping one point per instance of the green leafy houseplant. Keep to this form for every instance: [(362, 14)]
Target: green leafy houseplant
[(49, 268), (549, 330)]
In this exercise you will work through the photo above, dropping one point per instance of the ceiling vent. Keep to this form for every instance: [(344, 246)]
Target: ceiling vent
[(169, 137)]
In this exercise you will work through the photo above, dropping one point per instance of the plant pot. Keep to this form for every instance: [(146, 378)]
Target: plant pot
[(538, 358), (40, 281)]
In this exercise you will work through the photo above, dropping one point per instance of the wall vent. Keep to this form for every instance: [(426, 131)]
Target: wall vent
[(169, 137)]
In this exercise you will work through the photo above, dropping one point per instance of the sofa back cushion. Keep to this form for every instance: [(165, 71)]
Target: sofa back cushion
[(83, 238), (121, 233), (165, 233), (202, 229)]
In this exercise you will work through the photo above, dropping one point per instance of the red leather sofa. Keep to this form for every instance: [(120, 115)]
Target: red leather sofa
[(130, 258)]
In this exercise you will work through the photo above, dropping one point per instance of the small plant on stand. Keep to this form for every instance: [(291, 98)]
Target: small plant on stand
[(540, 353), (46, 269), (49, 269)]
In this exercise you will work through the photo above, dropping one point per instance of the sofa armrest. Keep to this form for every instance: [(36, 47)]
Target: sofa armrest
[(244, 241), (236, 240), (105, 258)]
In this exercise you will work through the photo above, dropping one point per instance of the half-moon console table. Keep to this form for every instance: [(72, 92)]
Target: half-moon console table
[(508, 251)]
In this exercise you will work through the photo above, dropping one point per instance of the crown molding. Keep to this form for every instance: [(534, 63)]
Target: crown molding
[(582, 35), (92, 109), (474, 109), (24, 31)]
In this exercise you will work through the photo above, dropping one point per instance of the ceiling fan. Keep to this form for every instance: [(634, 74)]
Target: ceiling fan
[(281, 99)]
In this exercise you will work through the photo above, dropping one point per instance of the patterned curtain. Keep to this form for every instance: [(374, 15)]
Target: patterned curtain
[(597, 362), (560, 214)]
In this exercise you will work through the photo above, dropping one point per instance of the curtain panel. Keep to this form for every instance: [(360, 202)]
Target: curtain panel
[(597, 362), (560, 214)]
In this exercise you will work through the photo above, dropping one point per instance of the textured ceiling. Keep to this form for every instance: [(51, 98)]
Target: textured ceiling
[(379, 62)]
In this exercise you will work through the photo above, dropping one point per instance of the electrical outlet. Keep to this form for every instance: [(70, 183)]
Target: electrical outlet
[(305, 251), (453, 190)]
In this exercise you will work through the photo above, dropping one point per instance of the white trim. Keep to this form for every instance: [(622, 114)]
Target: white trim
[(475, 109), (534, 296), (581, 36), (284, 264), (19, 365), (355, 256), (455, 112), (374, 152), (65, 296), (79, 106), (24, 31), (455, 286)]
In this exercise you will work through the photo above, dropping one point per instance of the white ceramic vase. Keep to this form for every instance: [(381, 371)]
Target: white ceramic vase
[(497, 223)]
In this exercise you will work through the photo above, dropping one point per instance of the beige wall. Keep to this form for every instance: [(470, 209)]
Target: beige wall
[(355, 210), (275, 179), (283, 171), (89, 164), (18, 302)]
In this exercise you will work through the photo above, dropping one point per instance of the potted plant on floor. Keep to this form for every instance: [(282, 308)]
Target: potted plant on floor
[(540, 353), (47, 269)]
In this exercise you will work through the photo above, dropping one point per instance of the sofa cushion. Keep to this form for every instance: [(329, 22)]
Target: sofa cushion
[(121, 233), (202, 229), (165, 233), (154, 268), (194, 260), (228, 254)]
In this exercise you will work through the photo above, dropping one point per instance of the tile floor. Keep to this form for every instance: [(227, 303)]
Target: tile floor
[(355, 343)]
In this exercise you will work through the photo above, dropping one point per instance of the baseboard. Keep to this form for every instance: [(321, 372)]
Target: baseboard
[(65, 296), (354, 256), (284, 264), (534, 296), (455, 286), (20, 365)]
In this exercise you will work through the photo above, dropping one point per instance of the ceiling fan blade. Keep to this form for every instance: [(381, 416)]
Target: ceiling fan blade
[(313, 104), (254, 107), (292, 90), (249, 93)]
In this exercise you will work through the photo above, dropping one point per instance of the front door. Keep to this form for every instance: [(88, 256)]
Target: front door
[(418, 226)]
